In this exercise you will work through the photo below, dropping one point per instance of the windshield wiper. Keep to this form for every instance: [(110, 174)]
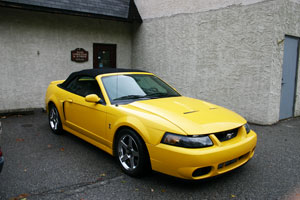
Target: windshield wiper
[(161, 94), (130, 97), (153, 95)]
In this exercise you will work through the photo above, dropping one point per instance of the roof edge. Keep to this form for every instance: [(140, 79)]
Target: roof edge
[(133, 14), (21, 6)]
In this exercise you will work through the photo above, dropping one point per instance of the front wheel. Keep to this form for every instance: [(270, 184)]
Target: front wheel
[(132, 153), (54, 120)]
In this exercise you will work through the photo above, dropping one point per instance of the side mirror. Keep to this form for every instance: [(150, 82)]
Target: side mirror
[(92, 98)]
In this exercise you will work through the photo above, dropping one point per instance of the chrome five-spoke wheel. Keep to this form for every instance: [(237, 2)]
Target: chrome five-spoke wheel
[(128, 152), (132, 153), (54, 120)]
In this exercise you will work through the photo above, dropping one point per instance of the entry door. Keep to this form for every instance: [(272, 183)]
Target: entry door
[(289, 73), (104, 55)]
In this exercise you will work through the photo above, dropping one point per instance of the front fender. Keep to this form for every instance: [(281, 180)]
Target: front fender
[(150, 127), (134, 124)]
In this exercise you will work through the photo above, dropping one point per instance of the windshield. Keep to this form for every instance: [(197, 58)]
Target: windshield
[(136, 87)]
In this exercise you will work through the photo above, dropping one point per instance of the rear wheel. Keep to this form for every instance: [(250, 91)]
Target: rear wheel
[(54, 120), (132, 154)]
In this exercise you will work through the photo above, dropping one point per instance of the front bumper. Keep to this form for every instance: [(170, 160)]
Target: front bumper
[(1, 163), (218, 159)]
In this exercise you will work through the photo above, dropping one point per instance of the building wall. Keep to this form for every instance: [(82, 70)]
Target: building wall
[(35, 48), (231, 55)]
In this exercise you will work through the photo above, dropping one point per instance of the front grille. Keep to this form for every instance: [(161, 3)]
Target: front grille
[(227, 135), (229, 162)]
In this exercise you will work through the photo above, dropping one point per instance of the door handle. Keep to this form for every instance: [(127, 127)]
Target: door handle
[(69, 100)]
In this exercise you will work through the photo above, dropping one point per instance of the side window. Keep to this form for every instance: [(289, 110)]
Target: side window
[(83, 86)]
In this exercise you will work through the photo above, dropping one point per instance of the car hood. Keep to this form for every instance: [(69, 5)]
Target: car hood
[(193, 116)]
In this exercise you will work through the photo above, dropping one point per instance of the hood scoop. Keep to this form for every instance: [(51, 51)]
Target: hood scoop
[(194, 117), (191, 112)]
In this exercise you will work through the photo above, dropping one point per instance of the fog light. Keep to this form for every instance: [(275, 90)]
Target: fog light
[(201, 171)]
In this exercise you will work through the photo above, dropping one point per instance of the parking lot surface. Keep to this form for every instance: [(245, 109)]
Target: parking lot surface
[(41, 165)]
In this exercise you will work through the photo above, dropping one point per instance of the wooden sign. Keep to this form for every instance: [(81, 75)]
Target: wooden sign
[(79, 55)]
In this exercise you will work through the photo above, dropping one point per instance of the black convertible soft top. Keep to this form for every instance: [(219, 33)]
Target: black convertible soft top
[(96, 72)]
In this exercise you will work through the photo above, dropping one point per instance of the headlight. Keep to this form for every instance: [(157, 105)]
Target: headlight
[(247, 127), (187, 141)]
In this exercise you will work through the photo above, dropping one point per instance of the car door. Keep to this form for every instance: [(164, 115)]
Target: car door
[(84, 117)]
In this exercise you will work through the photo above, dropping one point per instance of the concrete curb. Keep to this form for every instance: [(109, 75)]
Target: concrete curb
[(27, 111)]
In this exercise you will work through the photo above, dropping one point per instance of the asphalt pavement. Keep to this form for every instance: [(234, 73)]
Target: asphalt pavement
[(41, 165)]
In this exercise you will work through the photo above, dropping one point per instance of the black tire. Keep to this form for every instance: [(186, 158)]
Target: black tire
[(54, 120), (132, 154)]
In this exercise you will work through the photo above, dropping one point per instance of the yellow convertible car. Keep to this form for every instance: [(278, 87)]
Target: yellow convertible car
[(146, 124)]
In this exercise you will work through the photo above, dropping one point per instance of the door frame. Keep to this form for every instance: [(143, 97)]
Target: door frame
[(296, 76)]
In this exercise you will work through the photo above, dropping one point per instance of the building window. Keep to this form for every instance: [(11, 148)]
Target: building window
[(104, 55)]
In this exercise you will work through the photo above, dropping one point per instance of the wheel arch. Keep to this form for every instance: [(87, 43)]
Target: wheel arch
[(56, 103), (116, 135)]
